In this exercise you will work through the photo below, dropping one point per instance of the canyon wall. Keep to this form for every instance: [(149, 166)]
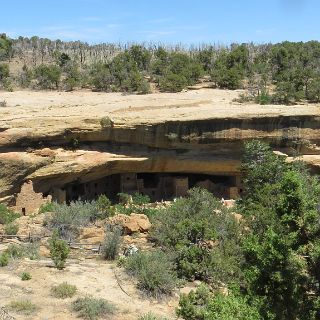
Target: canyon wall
[(55, 138)]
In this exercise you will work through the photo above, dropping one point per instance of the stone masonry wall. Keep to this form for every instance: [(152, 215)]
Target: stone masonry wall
[(28, 201)]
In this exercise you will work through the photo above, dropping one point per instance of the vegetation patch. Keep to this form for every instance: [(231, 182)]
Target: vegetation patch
[(64, 290), (151, 316), (25, 307), (111, 244), (11, 228), (106, 122), (203, 304), (7, 215), (59, 251), (92, 308), (203, 237), (67, 219), (28, 250), (154, 272), (25, 276), (4, 259), (47, 207)]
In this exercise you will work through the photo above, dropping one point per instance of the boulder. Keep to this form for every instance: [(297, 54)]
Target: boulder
[(131, 224), (142, 220), (92, 235)]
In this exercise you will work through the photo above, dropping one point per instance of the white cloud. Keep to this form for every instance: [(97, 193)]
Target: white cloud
[(75, 32)]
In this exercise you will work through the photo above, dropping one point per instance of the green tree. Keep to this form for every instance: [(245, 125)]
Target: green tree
[(230, 67), (141, 56), (59, 251), (4, 71), (189, 228), (313, 93), (172, 82), (282, 235), (63, 59), (72, 76), (5, 47), (205, 305), (47, 76)]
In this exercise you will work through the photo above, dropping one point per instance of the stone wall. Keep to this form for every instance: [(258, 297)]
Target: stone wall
[(28, 201)]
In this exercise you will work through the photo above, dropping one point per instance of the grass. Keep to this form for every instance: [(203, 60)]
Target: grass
[(91, 308), (64, 290), (30, 250), (4, 259), (25, 276), (151, 316), (11, 228), (7, 215), (22, 306)]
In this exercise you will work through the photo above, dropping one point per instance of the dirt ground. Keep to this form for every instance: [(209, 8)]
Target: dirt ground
[(91, 276), (133, 109)]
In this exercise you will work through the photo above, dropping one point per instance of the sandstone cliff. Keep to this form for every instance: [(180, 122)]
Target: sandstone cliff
[(54, 138)]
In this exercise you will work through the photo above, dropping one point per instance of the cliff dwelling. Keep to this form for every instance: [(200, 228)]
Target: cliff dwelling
[(158, 186)]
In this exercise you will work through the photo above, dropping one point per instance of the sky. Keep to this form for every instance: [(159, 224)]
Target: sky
[(163, 21)]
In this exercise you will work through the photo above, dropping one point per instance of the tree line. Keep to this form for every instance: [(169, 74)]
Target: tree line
[(287, 72)]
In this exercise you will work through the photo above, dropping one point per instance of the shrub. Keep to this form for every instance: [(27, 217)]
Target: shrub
[(73, 77), (144, 87), (204, 237), (151, 316), (64, 290), (67, 219), (47, 76), (263, 98), (15, 251), (25, 276), (91, 308), (24, 306), (47, 207), (172, 136), (103, 206), (106, 122), (11, 228), (111, 245), (154, 272), (203, 305), (173, 82), (4, 259), (7, 215), (3, 104), (4, 71), (59, 251), (140, 199), (227, 78), (124, 198), (29, 250)]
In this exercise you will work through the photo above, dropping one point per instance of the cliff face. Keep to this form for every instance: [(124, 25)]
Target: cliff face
[(56, 138)]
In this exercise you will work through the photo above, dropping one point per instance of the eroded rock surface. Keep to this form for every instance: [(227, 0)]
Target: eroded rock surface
[(55, 138)]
